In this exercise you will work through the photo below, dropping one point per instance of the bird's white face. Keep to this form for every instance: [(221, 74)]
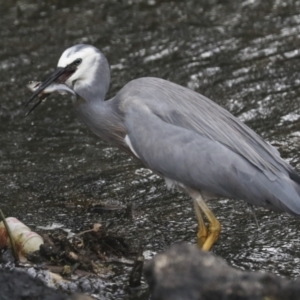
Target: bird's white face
[(84, 62), (77, 68)]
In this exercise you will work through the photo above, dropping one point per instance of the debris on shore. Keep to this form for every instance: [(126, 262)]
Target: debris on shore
[(82, 261)]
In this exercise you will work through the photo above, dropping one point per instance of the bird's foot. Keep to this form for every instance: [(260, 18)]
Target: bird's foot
[(202, 235), (212, 236)]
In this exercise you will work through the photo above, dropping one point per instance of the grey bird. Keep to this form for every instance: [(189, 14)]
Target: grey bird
[(186, 138)]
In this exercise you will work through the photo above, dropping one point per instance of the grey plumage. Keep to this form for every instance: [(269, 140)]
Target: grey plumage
[(188, 138), (181, 135)]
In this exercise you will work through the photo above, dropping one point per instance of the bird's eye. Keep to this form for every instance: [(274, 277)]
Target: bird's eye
[(77, 62)]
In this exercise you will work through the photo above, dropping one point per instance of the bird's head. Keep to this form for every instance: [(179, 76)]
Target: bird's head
[(79, 64), (79, 67)]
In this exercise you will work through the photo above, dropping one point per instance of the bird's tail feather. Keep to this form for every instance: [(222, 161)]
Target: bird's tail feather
[(294, 176), (286, 194)]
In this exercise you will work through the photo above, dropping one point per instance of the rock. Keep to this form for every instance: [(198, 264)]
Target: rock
[(19, 286), (186, 272)]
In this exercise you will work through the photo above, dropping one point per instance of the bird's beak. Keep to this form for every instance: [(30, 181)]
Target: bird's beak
[(60, 75)]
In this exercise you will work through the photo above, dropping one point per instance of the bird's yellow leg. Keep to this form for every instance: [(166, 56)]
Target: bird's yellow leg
[(202, 231), (214, 228)]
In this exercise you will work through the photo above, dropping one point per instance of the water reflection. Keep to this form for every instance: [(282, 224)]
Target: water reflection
[(242, 54)]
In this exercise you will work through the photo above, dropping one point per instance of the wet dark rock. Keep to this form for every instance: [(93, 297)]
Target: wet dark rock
[(186, 272), (6, 256), (19, 286)]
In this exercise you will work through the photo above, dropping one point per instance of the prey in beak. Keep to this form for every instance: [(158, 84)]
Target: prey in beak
[(55, 83)]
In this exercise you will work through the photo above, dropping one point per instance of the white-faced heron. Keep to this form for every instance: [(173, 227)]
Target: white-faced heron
[(186, 138)]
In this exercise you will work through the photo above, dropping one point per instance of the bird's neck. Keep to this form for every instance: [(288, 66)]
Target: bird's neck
[(95, 87), (91, 92), (101, 118)]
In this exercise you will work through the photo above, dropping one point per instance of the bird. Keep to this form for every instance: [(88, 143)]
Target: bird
[(189, 140)]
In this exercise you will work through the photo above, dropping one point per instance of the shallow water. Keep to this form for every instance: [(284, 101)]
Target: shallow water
[(242, 54)]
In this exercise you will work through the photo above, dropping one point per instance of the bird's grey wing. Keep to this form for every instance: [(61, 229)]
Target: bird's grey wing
[(187, 109), (200, 162)]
